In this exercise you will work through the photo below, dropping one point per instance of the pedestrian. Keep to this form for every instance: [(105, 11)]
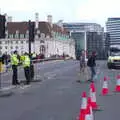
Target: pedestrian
[(14, 62), (91, 63), (26, 65), (82, 61), (83, 67)]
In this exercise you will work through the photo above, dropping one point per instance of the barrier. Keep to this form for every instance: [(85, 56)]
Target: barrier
[(1, 67), (5, 68)]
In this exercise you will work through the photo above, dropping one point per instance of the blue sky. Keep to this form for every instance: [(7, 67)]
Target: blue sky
[(68, 10)]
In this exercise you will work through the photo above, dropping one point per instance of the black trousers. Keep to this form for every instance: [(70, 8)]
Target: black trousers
[(15, 75), (27, 74)]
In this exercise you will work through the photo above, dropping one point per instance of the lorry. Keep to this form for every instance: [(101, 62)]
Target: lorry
[(113, 57)]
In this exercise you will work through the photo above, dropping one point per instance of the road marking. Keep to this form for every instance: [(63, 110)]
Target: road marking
[(25, 86), (7, 88)]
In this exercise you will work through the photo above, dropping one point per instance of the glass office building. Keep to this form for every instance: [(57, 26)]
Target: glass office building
[(113, 29), (87, 36)]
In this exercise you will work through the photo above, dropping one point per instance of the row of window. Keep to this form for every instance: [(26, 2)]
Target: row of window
[(6, 47), (6, 42), (18, 36)]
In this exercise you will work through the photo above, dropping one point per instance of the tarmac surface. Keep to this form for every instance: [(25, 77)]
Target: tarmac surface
[(57, 96)]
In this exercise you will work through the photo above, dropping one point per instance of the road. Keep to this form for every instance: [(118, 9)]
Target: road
[(58, 95)]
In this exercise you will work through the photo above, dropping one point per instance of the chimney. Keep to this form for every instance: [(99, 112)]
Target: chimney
[(36, 20), (9, 19), (49, 19)]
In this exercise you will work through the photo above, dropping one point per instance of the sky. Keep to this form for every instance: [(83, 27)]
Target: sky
[(95, 11)]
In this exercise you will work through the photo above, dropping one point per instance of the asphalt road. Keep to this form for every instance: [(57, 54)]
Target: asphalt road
[(58, 95)]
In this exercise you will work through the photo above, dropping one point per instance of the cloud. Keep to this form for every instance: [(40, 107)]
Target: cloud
[(22, 5), (69, 10), (98, 10)]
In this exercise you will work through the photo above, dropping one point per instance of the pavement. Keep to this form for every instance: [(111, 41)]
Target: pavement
[(58, 95)]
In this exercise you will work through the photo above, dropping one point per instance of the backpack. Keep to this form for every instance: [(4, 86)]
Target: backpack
[(89, 62)]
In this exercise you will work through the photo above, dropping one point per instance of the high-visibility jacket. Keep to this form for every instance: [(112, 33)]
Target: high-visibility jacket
[(14, 59), (22, 57), (26, 62)]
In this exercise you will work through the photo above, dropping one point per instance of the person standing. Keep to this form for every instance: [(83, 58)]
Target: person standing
[(26, 65), (82, 62), (92, 63), (14, 62)]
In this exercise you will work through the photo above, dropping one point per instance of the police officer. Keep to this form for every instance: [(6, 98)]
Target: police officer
[(14, 62), (26, 65)]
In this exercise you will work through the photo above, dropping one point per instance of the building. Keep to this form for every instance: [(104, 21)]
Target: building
[(50, 39), (87, 36), (113, 29), (2, 26), (91, 27), (95, 43)]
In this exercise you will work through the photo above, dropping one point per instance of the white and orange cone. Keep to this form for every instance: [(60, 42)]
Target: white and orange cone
[(89, 112), (93, 96), (117, 89), (105, 87), (83, 107)]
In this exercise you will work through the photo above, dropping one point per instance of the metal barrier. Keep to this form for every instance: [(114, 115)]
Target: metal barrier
[(6, 74), (6, 68)]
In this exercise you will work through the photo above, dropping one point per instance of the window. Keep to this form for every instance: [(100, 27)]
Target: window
[(16, 35), (11, 47), (11, 42), (16, 42), (26, 36), (11, 36), (42, 41), (21, 42), (6, 47), (6, 42), (16, 47), (0, 42), (21, 36), (0, 47), (27, 41)]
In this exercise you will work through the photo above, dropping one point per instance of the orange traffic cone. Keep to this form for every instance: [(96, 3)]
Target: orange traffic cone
[(105, 87), (117, 89), (93, 96), (83, 107), (89, 112)]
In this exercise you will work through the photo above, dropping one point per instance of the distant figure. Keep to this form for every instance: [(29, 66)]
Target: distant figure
[(82, 61), (91, 63), (63, 56)]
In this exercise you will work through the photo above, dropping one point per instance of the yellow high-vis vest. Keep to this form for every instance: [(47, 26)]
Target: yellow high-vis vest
[(26, 62), (14, 59)]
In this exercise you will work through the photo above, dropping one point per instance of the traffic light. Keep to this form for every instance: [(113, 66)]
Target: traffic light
[(31, 31), (2, 26)]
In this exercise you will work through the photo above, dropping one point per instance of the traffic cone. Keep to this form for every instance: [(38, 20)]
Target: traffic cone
[(105, 87), (89, 112), (117, 89), (93, 96), (83, 107)]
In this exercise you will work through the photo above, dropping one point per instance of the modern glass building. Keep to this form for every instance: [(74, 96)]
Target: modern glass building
[(87, 36), (79, 38), (91, 27), (113, 29)]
